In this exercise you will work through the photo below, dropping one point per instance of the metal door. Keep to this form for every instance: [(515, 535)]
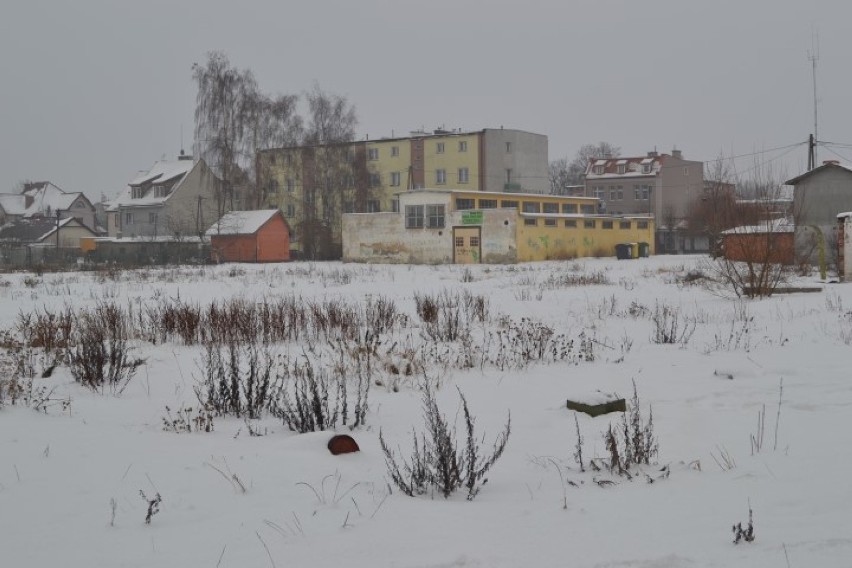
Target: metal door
[(467, 246)]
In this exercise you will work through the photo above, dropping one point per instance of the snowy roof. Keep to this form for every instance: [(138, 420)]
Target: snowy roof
[(34, 230), (160, 172), (12, 203), (624, 167), (825, 165), (241, 222), (771, 226), (163, 171), (845, 215)]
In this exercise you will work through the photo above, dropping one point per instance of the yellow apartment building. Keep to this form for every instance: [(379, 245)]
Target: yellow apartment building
[(316, 185)]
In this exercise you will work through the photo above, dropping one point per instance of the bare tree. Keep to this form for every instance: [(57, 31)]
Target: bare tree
[(334, 172), (758, 247), (233, 120), (563, 173)]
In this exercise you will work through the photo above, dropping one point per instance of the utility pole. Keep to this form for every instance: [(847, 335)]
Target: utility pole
[(813, 57), (57, 232)]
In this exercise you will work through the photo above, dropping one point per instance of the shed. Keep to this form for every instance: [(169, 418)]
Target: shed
[(250, 236), (771, 241)]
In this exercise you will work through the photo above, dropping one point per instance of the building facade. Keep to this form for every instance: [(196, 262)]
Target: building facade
[(664, 186), (818, 197), (457, 226), (319, 184), (174, 198)]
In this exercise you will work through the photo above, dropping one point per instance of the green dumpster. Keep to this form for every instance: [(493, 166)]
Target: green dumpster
[(644, 250)]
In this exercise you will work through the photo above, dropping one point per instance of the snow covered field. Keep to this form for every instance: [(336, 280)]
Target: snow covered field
[(281, 499)]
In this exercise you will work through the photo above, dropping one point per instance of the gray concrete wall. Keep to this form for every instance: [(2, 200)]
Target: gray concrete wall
[(526, 157), (817, 200)]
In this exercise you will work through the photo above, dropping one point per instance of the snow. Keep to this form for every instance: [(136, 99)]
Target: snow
[(241, 222), (164, 171), (60, 470), (771, 226), (13, 204)]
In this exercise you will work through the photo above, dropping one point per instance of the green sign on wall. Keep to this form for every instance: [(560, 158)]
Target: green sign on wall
[(472, 218)]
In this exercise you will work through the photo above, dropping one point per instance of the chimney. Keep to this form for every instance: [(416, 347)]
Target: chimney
[(183, 156), (652, 154), (831, 162), (28, 200), (677, 154)]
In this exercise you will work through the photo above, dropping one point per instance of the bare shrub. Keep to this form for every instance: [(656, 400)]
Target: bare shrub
[(236, 379), (671, 326), (99, 356), (633, 442), (570, 279), (308, 399), (187, 419), (440, 461)]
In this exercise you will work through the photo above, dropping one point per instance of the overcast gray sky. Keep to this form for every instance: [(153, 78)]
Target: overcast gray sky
[(93, 91)]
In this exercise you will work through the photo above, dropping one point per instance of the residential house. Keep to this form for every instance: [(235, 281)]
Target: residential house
[(366, 176), (44, 199), (437, 226), (174, 198), (250, 236), (664, 186), (819, 195), (43, 231)]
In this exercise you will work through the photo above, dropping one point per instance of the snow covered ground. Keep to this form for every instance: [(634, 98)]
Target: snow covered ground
[(302, 506)]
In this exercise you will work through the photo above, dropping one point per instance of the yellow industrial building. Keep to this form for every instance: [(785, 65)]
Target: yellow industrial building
[(433, 226)]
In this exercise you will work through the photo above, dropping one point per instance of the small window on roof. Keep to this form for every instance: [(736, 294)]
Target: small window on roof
[(598, 170)]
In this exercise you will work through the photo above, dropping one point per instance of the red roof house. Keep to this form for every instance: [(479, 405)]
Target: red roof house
[(250, 236)]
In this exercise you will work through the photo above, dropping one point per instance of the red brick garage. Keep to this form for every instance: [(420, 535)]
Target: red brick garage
[(250, 236)]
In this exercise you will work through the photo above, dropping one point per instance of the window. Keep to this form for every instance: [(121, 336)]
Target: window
[(394, 151), (589, 224), (607, 224), (641, 224), (439, 148), (291, 185), (508, 175), (600, 192), (570, 223), (128, 218), (599, 170), (624, 225), (509, 204), (587, 209), (373, 206), (488, 204), (440, 177), (395, 205), (620, 193), (413, 216), (462, 146), (152, 218), (474, 241), (569, 207), (348, 207), (394, 181), (435, 216), (289, 159), (550, 207), (462, 203), (622, 168), (530, 222), (375, 180), (463, 175), (372, 153), (291, 210), (637, 192), (612, 193), (459, 242), (508, 146), (646, 192), (550, 222), (646, 168), (272, 186), (137, 193), (162, 191), (686, 172), (532, 207)]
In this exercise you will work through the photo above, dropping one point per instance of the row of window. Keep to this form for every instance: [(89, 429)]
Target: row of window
[(130, 218), (587, 223), (616, 192), (157, 191), (430, 216), (526, 206), (621, 169), (440, 148)]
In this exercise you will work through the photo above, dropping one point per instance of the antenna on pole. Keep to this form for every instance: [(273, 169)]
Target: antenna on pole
[(813, 57), (181, 138)]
